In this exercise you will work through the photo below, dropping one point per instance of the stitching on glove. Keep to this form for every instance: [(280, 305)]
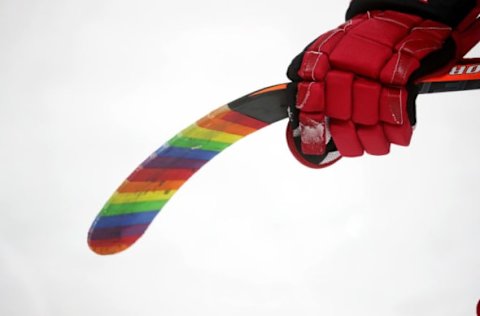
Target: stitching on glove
[(391, 21), (432, 28), (397, 113), (399, 55), (408, 50), (319, 54), (307, 96)]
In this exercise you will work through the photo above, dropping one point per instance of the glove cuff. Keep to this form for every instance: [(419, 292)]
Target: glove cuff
[(450, 12)]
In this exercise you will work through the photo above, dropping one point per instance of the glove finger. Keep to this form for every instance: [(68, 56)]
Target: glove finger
[(292, 72), (330, 156)]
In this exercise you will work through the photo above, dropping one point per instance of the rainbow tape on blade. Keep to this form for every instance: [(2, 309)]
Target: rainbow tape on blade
[(134, 205)]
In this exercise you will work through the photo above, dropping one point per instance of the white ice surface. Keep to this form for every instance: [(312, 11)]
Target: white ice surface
[(88, 89)]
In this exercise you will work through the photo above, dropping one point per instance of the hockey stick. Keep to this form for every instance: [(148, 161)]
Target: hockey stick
[(134, 205)]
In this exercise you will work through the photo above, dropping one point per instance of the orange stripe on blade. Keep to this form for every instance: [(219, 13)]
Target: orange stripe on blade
[(220, 125), (282, 86), (130, 187), (111, 246)]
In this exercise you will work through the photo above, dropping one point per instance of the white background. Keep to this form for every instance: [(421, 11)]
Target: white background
[(88, 89)]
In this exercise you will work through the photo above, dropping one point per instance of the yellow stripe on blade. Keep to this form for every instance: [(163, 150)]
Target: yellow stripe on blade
[(120, 198), (195, 131)]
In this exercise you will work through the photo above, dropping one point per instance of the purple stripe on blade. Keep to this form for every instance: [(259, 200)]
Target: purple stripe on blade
[(118, 232)]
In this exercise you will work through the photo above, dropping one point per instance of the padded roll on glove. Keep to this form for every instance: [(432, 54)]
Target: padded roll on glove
[(352, 89)]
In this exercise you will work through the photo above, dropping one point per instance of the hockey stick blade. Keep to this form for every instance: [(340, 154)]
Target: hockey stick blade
[(132, 208)]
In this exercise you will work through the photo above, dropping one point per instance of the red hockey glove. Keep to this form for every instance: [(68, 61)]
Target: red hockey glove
[(353, 90)]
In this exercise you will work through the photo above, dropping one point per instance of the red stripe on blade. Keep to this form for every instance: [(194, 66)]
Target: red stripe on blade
[(235, 117)]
